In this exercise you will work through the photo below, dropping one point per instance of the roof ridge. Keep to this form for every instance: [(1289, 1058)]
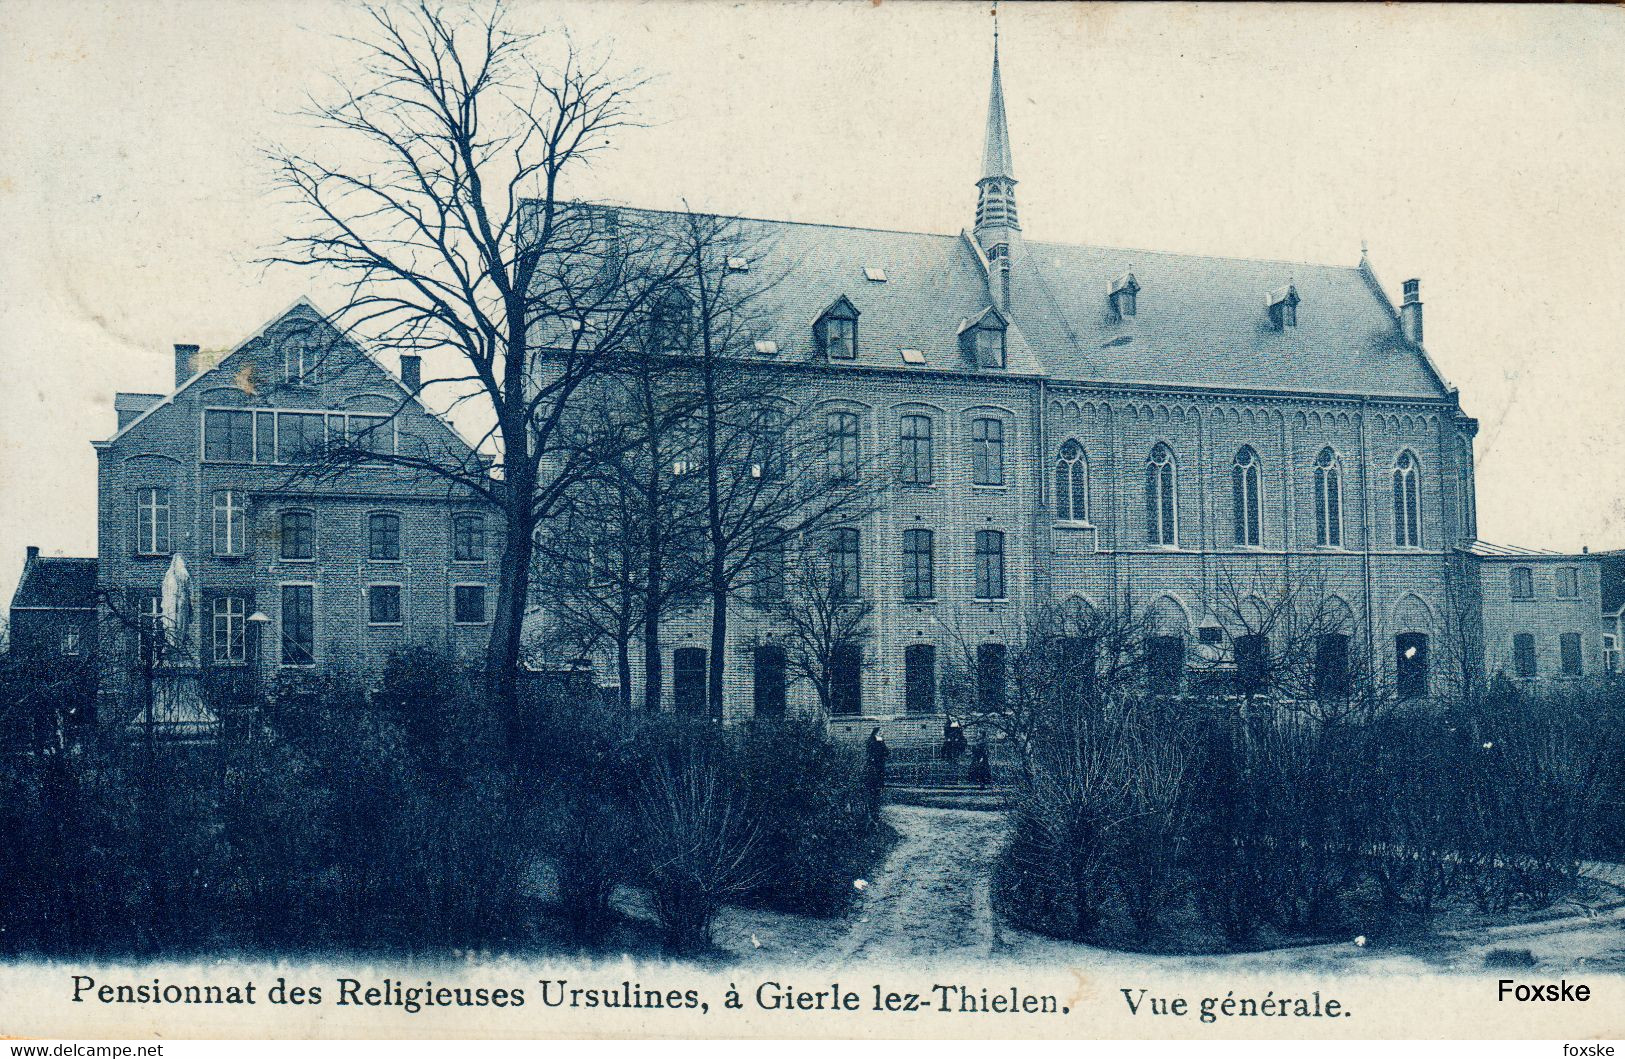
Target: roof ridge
[(1183, 253)]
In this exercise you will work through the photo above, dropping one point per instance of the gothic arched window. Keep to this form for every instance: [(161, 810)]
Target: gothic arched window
[(1407, 503), (1328, 499), (1245, 499), (1160, 504), (1072, 484)]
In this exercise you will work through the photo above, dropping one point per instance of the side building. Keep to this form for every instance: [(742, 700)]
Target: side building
[(283, 564)]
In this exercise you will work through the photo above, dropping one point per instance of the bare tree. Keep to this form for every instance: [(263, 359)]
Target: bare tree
[(448, 229), (824, 622)]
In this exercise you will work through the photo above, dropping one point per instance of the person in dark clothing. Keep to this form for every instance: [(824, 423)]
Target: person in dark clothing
[(953, 741), (981, 770), (874, 768)]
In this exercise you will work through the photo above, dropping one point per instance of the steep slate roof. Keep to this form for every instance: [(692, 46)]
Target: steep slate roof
[(57, 583), (1486, 550), (1202, 322)]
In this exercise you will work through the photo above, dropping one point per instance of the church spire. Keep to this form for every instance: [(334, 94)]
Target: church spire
[(996, 223)]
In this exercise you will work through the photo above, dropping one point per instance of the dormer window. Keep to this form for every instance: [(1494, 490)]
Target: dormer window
[(670, 321), (981, 339), (836, 332), (1283, 306), (1123, 293)]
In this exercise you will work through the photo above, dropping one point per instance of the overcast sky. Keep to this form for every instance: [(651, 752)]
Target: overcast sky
[(1481, 149)]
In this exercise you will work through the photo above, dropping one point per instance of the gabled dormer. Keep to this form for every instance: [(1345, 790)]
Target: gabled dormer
[(1283, 307), (1124, 295), (982, 339), (671, 321), (835, 332)]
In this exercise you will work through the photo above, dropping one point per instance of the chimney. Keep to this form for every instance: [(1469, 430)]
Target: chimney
[(1410, 312), (33, 552), (186, 362), (412, 372)]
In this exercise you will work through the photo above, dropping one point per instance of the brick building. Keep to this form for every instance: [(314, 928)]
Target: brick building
[(1539, 612), (1104, 427), (287, 571)]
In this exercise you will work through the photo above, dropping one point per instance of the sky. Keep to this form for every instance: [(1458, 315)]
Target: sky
[(1481, 149)]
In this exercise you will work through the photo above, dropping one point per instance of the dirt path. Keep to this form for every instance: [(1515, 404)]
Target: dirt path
[(931, 899)]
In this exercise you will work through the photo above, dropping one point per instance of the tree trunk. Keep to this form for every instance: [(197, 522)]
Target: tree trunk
[(623, 669), (652, 600), (719, 648), (507, 623)]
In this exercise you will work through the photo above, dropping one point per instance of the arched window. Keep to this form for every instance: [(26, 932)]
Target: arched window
[(1328, 500), (1072, 484), (1160, 506), (1407, 504), (1244, 496)]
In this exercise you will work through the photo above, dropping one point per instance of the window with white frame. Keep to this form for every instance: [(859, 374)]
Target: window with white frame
[(1071, 483), (227, 630), (152, 521), (1407, 503), (987, 451), (1244, 488), (989, 564), (1161, 505), (230, 529), (1610, 653), (1328, 500), (232, 435), (228, 435)]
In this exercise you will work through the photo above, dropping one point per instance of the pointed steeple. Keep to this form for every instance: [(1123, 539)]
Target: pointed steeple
[(996, 223)]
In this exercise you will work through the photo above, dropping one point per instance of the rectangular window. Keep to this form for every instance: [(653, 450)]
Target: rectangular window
[(768, 445), (298, 625), (989, 347), (1523, 583), (987, 452), (468, 538), (688, 681), (846, 680), (297, 532), (767, 584), (383, 604), (1252, 653), (1568, 582), (300, 436), (1523, 656), (383, 536), (918, 572), (229, 530), (370, 433), (228, 614), (990, 677), (845, 564), (1332, 666), (152, 522), (769, 681), (1411, 665), (920, 678), (70, 642), (228, 435), (841, 446), (840, 338), (150, 629), (1165, 664), (1568, 645), (989, 564), (915, 458), (468, 604), (1610, 653)]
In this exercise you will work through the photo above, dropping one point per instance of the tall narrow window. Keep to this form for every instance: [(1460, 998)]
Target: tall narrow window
[(846, 679), (1160, 505), (767, 445), (989, 564), (1568, 582), (918, 572), (1328, 500), (468, 538), (229, 532), (767, 580), (1568, 651), (688, 680), (1523, 583), (768, 684), (297, 533), (987, 451), (836, 332), (150, 630), (845, 564), (152, 521), (1164, 664), (1523, 656), (990, 697), (1407, 505), (920, 678), (1244, 497), (1071, 484), (1332, 666), (298, 625), (989, 347), (383, 536), (841, 446), (227, 616), (1411, 665), (1610, 653), (1252, 653), (914, 456)]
